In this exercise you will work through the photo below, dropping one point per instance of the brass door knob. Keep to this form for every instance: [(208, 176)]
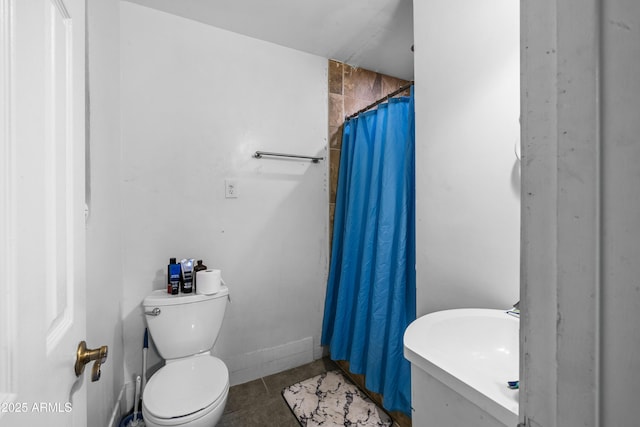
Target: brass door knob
[(84, 356)]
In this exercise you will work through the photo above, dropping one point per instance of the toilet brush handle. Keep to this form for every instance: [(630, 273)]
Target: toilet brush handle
[(135, 403)]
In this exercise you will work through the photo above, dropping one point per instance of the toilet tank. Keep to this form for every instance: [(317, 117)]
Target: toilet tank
[(185, 324)]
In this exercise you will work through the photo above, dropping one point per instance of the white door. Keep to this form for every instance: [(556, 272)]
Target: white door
[(42, 235)]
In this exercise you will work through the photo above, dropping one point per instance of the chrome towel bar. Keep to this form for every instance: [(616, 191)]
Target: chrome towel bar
[(259, 155)]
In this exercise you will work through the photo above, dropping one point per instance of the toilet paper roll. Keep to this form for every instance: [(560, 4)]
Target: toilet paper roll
[(208, 282)]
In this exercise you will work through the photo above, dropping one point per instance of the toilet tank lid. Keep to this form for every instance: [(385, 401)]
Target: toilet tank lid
[(162, 298)]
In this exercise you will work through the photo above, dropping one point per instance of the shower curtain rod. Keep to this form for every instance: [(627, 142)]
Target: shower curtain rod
[(380, 101)]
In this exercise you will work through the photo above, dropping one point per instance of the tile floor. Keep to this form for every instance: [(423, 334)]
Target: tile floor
[(259, 403)]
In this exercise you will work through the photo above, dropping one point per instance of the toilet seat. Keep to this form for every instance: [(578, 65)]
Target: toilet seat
[(185, 390)]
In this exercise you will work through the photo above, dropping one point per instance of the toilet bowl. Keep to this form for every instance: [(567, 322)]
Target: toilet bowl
[(192, 388)]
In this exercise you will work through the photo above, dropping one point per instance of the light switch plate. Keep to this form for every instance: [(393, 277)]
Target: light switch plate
[(231, 188)]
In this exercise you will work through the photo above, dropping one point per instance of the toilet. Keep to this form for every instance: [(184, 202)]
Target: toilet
[(192, 388)]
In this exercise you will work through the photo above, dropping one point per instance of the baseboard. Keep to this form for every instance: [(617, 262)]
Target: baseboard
[(260, 363)]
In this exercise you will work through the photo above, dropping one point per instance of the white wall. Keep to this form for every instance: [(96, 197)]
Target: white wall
[(467, 179), (197, 102), (104, 245)]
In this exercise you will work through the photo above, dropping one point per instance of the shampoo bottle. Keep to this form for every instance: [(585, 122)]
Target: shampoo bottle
[(186, 286)]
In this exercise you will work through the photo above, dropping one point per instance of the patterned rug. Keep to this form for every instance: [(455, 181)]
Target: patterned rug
[(330, 400)]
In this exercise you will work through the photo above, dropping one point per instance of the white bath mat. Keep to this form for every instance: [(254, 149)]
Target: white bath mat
[(330, 400)]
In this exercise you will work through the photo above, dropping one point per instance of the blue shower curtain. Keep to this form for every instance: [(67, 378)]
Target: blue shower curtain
[(370, 296)]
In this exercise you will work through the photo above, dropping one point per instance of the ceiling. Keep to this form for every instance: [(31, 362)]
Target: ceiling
[(373, 34)]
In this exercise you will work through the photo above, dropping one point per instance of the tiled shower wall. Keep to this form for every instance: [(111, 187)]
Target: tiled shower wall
[(351, 89)]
